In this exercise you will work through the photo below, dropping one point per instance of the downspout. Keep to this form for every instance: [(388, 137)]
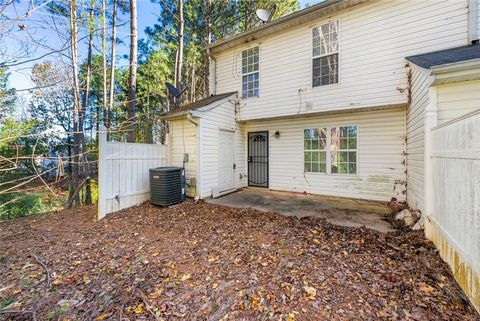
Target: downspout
[(472, 21), (198, 187)]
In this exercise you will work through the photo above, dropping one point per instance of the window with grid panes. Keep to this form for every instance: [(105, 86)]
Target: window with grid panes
[(325, 54), (315, 152), (343, 150), (250, 76)]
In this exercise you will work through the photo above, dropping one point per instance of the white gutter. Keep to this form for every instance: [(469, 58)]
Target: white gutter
[(456, 66), (456, 72), (180, 114), (193, 121)]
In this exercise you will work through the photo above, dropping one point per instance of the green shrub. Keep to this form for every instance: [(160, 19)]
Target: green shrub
[(25, 204)]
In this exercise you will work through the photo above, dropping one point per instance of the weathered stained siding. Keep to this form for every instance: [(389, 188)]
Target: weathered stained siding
[(183, 139), (374, 40), (416, 137), (381, 147), (454, 225), (457, 99), (212, 120), (453, 100)]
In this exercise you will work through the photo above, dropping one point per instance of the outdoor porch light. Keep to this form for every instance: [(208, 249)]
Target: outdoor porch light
[(277, 134)]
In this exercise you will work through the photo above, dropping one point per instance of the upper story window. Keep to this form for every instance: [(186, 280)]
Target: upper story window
[(250, 77), (325, 54)]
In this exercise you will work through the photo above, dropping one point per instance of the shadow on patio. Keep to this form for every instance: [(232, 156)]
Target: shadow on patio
[(336, 210)]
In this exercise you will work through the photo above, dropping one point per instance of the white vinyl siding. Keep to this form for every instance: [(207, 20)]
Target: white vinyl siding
[(416, 138), (457, 99), (375, 39), (183, 140), (222, 117), (381, 160)]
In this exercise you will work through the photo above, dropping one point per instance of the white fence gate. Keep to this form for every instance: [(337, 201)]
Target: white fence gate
[(454, 225), (123, 176)]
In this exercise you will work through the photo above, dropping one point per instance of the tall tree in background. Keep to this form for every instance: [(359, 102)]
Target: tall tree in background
[(247, 18), (208, 41), (179, 59), (132, 79), (104, 66), (7, 95), (108, 112), (74, 196), (86, 91), (205, 21)]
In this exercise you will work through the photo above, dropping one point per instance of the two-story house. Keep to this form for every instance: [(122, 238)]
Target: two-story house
[(328, 100), (375, 99)]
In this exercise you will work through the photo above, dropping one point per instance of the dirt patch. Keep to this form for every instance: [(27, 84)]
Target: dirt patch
[(208, 262)]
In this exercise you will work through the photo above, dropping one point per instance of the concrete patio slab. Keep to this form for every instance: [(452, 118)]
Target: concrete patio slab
[(336, 210)]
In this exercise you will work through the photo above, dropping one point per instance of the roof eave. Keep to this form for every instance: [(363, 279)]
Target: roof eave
[(456, 66), (467, 70), (179, 115), (325, 8)]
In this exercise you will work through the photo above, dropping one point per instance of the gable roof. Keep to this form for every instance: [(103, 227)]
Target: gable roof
[(448, 56), (200, 103), (316, 11)]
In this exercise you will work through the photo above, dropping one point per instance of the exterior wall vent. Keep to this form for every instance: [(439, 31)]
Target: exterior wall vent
[(167, 185)]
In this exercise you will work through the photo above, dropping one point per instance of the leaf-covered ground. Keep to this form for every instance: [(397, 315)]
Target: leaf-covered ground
[(208, 262)]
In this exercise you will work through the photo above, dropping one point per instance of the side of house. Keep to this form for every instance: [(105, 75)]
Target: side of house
[(303, 81), (415, 125), (206, 139)]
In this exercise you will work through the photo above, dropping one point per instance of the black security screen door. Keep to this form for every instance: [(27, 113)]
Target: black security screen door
[(258, 159)]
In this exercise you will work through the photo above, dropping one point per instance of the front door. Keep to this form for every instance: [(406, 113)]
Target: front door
[(258, 159), (226, 160)]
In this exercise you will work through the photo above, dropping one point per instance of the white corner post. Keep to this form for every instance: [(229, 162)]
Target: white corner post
[(102, 179), (472, 20), (430, 122)]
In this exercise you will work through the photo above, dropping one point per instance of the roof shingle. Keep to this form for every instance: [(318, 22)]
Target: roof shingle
[(448, 56), (201, 103)]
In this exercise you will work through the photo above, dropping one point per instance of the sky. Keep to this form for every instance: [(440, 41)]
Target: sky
[(35, 23)]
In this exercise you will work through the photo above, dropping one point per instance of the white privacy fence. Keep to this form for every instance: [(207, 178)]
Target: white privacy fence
[(454, 225), (123, 176)]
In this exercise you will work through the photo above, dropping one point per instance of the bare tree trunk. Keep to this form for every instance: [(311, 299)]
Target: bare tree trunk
[(193, 84), (104, 64), (108, 114), (86, 170), (77, 113), (208, 23), (179, 62), (132, 79)]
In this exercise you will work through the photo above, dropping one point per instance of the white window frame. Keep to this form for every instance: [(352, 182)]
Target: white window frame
[(246, 74), (337, 52), (329, 151), (347, 150), (310, 150)]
